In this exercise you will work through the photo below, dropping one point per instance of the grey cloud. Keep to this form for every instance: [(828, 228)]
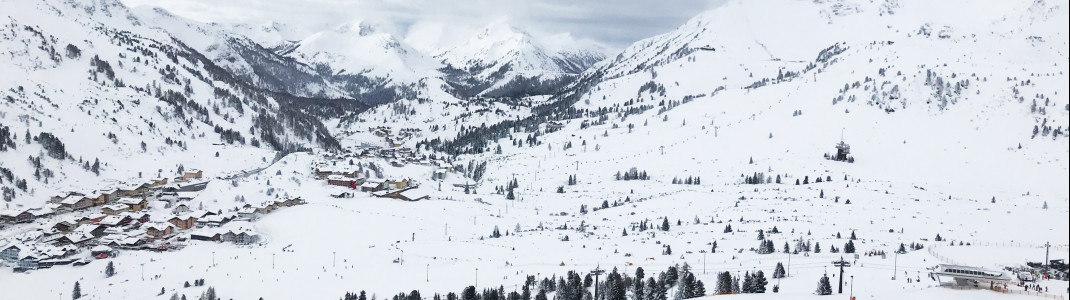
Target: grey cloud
[(614, 23)]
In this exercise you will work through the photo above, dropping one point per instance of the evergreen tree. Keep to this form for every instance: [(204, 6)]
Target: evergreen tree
[(714, 248), (724, 283), (665, 224), (823, 286), (761, 235), (778, 272), (748, 284), (759, 282), (637, 285), (469, 293), (817, 247), (109, 270), (849, 247), (77, 293), (853, 235), (209, 294), (700, 289)]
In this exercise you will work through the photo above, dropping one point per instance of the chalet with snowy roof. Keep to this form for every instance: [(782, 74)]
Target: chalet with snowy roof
[(215, 220), (95, 218), (409, 194), (116, 220), (134, 204), (192, 187), (179, 209), (291, 202), (17, 216), (91, 230), (97, 198), (186, 196), (10, 253), (135, 190), (205, 235), (42, 212), (114, 209), (159, 230), (192, 174), (142, 217), (61, 196), (102, 251), (373, 185), (76, 202), (29, 262), (64, 226), (75, 238), (241, 237), (398, 183), (342, 181), (157, 182), (183, 222), (248, 213)]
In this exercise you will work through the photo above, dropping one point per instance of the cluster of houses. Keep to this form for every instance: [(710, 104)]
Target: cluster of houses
[(347, 176), (119, 197)]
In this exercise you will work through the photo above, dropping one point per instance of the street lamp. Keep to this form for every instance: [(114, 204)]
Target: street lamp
[(477, 277), (142, 271), (895, 267), (852, 287)]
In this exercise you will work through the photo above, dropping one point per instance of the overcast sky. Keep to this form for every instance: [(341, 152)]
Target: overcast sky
[(615, 23)]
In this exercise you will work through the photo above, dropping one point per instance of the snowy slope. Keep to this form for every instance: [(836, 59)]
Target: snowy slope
[(109, 86), (935, 155)]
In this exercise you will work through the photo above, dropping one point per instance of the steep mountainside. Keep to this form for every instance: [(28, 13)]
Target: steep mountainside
[(243, 56), (88, 86)]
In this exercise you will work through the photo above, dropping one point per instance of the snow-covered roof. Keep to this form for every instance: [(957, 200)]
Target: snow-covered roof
[(131, 201), (414, 194), (338, 177), (101, 248), (86, 228), (187, 195), (72, 199), (112, 220), (159, 226), (371, 184), (114, 206)]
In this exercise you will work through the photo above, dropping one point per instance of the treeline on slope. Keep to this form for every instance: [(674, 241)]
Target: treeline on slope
[(473, 140), (298, 114), (574, 286)]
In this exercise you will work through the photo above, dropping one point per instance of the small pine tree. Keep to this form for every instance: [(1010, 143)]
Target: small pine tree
[(824, 287), (77, 293), (778, 272), (759, 282), (109, 270)]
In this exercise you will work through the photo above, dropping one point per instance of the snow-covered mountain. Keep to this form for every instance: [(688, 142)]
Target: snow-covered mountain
[(90, 80), (365, 62), (916, 76), (242, 56), (503, 60)]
